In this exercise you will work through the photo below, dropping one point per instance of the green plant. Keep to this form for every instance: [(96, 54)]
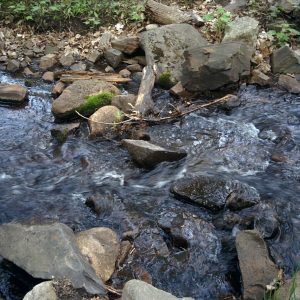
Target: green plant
[(94, 102), (165, 81), (285, 35), (276, 11), (219, 19)]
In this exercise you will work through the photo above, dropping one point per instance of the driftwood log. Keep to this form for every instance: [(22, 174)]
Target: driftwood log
[(163, 14), (144, 102)]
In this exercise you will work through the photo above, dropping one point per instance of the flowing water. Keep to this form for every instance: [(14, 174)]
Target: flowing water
[(41, 179)]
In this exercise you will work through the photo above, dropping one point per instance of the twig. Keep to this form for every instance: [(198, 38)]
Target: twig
[(113, 291)]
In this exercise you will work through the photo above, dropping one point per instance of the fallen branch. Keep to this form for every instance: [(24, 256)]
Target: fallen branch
[(114, 291)]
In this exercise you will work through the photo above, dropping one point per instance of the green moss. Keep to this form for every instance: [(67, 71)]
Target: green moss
[(94, 102), (165, 80)]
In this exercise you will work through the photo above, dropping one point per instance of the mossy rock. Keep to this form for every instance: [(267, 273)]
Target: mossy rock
[(165, 80)]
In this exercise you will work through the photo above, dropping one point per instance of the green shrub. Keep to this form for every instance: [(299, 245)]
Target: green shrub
[(285, 35), (165, 81)]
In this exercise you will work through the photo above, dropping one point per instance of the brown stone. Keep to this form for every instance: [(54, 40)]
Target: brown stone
[(259, 78), (47, 62), (125, 73), (177, 90), (278, 157), (48, 77), (58, 89), (124, 102), (126, 45), (289, 83), (13, 93)]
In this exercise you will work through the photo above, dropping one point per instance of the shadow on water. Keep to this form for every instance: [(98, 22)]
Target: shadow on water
[(40, 180)]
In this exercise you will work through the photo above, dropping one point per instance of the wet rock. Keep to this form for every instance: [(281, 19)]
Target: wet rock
[(113, 57), (256, 267), (58, 89), (290, 290), (13, 65), (137, 77), (44, 290), (94, 56), (27, 72), (74, 96), (165, 46), (45, 251), (79, 67), (48, 77), (124, 102), (103, 120), (277, 157), (260, 78), (134, 68), (47, 62), (13, 93), (244, 29), (126, 45), (101, 248), (289, 83), (125, 73), (61, 131), (66, 60), (214, 193), (212, 67), (140, 290), (285, 60), (149, 155)]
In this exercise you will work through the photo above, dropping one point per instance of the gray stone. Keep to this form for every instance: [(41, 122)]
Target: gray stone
[(212, 67), (260, 78), (134, 68), (164, 47), (78, 67), (113, 57), (289, 83), (101, 248), (48, 76), (256, 266), (13, 93), (47, 251), (104, 42), (289, 5), (244, 29), (124, 102), (74, 96), (285, 60), (50, 49), (148, 155), (13, 65), (104, 119), (140, 290), (236, 5), (66, 60), (94, 56), (47, 62), (42, 291), (126, 45)]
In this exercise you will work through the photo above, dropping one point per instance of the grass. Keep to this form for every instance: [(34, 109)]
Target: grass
[(165, 81)]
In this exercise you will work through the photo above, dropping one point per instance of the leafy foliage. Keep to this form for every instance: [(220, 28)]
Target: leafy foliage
[(285, 34)]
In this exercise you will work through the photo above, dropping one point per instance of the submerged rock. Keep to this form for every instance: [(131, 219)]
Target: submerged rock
[(13, 93), (148, 155), (47, 251), (256, 267), (42, 291), (140, 290)]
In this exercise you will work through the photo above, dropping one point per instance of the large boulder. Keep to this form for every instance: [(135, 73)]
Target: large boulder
[(164, 47), (44, 290), (13, 93), (101, 247), (211, 67), (256, 266), (214, 193), (140, 290), (47, 252), (74, 97), (244, 29), (149, 155)]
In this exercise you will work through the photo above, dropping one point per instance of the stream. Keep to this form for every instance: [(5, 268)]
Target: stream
[(41, 179)]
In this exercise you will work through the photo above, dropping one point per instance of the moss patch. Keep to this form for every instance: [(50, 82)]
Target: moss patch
[(165, 81), (94, 102)]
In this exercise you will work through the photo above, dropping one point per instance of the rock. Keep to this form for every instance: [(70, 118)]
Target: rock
[(47, 62), (13, 93), (61, 131), (285, 60), (79, 67), (44, 290), (256, 267), (260, 78), (13, 65), (212, 67), (214, 193), (289, 5), (101, 248), (137, 77), (50, 49), (47, 251), (177, 90), (126, 45), (151, 26), (244, 29), (290, 290), (66, 60), (141, 60), (109, 69), (58, 89), (236, 5), (125, 248), (140, 290), (107, 114), (125, 73), (289, 83), (27, 72), (134, 68), (113, 57), (124, 102), (105, 41), (148, 155), (165, 46), (48, 76), (94, 56), (277, 157), (73, 97)]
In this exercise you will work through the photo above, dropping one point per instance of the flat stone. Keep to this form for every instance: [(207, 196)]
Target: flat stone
[(289, 83), (140, 290), (66, 60), (113, 57), (48, 76), (13, 93), (47, 251), (148, 155), (285, 60), (126, 45), (13, 65), (256, 266), (101, 248), (124, 102), (42, 291), (47, 62)]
